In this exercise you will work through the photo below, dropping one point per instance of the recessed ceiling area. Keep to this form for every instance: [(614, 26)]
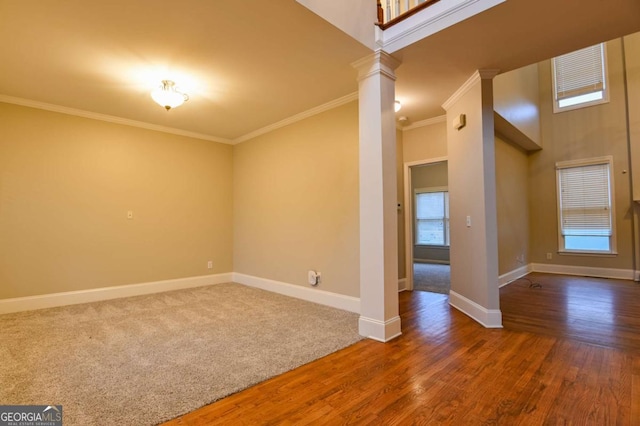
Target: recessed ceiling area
[(247, 65)]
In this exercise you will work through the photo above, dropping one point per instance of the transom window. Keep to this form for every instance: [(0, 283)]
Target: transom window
[(432, 217), (585, 207), (580, 78)]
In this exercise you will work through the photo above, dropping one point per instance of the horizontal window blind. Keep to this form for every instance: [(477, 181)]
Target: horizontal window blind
[(430, 205), (580, 72), (585, 202)]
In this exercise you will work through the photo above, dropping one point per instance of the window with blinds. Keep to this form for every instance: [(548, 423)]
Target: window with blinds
[(580, 78), (432, 218), (585, 206)]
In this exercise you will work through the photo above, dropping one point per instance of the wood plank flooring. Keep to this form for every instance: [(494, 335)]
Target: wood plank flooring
[(447, 369)]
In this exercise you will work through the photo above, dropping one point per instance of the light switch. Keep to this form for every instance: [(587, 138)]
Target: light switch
[(468, 221), (129, 214)]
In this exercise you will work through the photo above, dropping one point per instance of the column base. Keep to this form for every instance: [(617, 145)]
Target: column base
[(382, 331)]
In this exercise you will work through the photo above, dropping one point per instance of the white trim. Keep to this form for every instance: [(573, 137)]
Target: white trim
[(133, 123), (427, 122), (511, 276), (475, 77), (408, 214), (489, 318), (379, 330), (402, 284), (585, 271), (109, 118), (310, 294), (106, 293), (298, 117), (429, 21)]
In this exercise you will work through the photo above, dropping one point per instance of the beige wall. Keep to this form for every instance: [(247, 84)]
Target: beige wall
[(472, 193), (583, 133), (512, 206), (515, 97), (424, 143), (296, 202), (430, 175), (632, 59), (421, 143), (66, 184), (402, 273)]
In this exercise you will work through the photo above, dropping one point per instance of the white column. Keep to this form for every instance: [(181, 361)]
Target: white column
[(379, 317), (472, 201)]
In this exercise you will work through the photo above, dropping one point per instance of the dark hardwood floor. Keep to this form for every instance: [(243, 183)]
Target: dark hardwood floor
[(593, 310), (568, 355)]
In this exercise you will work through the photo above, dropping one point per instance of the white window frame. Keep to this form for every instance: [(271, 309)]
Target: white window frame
[(585, 102), (447, 221), (608, 160)]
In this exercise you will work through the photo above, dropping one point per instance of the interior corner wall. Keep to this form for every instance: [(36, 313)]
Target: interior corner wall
[(296, 202), (67, 183), (583, 133), (512, 203)]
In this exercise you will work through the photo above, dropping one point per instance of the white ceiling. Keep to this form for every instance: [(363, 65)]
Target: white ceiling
[(248, 64)]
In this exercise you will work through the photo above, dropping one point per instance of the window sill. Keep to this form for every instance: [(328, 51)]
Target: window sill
[(431, 246), (588, 253)]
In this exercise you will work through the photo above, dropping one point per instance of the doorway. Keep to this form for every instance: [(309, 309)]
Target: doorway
[(427, 240)]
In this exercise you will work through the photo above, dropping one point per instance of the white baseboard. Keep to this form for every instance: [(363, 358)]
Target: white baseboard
[(636, 276), (489, 318), (382, 331), (511, 276), (335, 300), (402, 284), (106, 293), (586, 271)]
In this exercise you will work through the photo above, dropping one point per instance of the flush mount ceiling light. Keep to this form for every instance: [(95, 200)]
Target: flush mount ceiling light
[(167, 96), (397, 105)]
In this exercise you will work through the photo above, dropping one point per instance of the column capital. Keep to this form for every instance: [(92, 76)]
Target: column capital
[(377, 62)]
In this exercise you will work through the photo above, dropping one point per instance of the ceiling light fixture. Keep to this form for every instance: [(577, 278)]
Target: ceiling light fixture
[(167, 96), (397, 105)]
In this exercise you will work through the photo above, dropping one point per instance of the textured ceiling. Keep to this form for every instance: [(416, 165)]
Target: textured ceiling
[(248, 64)]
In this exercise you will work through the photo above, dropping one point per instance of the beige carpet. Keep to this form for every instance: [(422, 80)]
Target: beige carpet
[(143, 360), (432, 277)]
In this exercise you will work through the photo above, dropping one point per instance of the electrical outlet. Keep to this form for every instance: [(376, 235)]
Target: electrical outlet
[(210, 264), (314, 277), (549, 256)]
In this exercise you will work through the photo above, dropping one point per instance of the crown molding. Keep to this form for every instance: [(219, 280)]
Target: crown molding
[(298, 117), (477, 76), (427, 122), (140, 124), (109, 118)]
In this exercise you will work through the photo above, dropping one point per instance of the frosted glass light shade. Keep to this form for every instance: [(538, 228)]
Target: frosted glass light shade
[(167, 96)]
